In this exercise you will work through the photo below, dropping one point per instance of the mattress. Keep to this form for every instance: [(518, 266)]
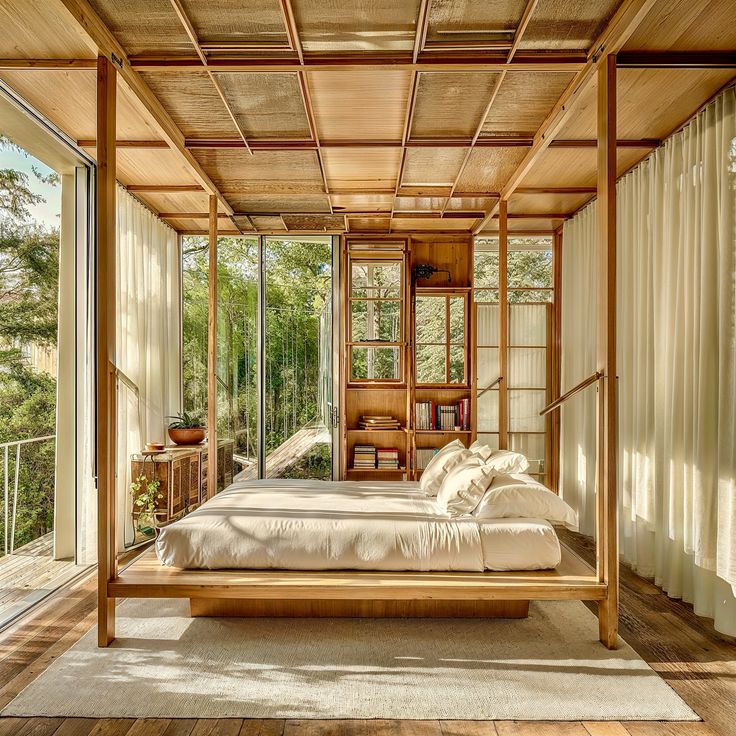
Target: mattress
[(339, 525)]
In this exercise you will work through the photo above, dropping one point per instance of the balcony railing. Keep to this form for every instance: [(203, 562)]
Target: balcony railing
[(8, 448)]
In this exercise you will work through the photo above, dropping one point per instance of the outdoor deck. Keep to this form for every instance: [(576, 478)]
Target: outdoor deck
[(29, 574)]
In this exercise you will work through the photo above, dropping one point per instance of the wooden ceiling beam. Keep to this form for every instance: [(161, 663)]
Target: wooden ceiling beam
[(676, 60), (92, 143), (165, 188), (555, 190), (104, 42), (192, 215), (537, 61), (535, 216), (12, 65), (617, 32)]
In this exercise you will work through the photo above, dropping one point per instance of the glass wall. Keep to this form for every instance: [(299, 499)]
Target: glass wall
[(530, 297)]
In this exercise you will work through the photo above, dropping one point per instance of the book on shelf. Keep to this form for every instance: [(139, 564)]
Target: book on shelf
[(424, 455), (364, 457), (444, 417), (387, 458), (378, 422)]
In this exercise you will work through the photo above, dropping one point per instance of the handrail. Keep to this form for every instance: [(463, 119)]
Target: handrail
[(489, 387), (569, 394)]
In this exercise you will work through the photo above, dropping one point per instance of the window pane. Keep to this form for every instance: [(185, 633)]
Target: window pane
[(486, 295), (373, 320), (532, 446), (457, 364), (528, 367), (530, 296), (485, 266), (524, 408), (528, 324), (376, 363), (488, 411), (376, 280), (431, 361), (530, 267), (489, 439), (457, 320), (431, 319), (487, 369), (487, 315)]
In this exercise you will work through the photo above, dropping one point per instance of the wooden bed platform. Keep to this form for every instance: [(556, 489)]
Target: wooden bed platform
[(357, 593)]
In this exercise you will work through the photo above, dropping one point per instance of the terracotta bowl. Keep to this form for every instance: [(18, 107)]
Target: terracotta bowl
[(187, 436)]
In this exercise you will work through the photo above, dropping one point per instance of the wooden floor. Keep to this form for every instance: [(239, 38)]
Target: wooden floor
[(29, 574), (696, 661)]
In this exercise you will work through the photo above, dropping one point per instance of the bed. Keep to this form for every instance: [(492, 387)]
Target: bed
[(344, 525)]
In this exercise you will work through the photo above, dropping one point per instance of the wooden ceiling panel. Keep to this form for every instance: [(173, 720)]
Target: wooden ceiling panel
[(38, 29), (356, 25), (419, 204), (266, 105), (470, 204), (362, 202), (488, 169), (193, 102), (152, 166), (473, 20), (361, 168), (315, 223), (225, 226), (369, 224), (243, 22), (144, 26), (175, 202), (547, 203), (50, 92), (451, 103), (567, 24), (436, 224), (360, 105), (687, 25), (268, 224), (652, 103), (523, 102), (432, 166), (570, 167), (236, 171), (268, 204), (545, 225)]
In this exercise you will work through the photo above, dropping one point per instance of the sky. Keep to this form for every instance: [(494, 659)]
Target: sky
[(45, 212)]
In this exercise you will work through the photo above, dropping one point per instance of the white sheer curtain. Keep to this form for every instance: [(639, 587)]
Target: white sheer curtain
[(676, 362), (148, 339)]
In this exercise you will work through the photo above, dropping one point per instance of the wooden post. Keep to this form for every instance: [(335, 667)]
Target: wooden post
[(606, 502), (554, 472), (503, 325), (212, 355), (105, 308)]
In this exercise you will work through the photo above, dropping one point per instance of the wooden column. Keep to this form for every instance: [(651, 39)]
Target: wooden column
[(606, 502), (212, 355), (105, 314), (554, 471), (503, 325)]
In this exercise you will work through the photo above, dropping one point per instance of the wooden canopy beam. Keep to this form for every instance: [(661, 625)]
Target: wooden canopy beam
[(555, 190), (676, 60), (13, 65), (428, 61), (165, 188), (103, 41), (618, 31)]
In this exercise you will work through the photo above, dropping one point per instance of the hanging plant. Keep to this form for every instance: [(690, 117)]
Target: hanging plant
[(145, 492)]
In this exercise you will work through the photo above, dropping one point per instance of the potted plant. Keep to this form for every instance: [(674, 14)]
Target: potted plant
[(146, 495), (186, 429)]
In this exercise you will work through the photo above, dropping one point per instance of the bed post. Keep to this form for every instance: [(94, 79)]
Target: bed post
[(105, 363), (606, 502), (503, 325), (212, 354)]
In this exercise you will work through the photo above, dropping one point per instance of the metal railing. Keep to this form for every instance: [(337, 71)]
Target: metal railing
[(9, 529), (490, 386), (569, 394)]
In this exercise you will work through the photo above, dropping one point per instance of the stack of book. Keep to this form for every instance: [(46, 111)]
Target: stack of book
[(378, 422), (364, 457), (388, 458), (424, 455), (443, 417)]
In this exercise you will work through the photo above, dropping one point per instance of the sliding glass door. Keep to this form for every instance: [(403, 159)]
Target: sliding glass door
[(285, 364)]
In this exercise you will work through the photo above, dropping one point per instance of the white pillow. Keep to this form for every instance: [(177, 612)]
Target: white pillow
[(505, 462), (481, 449), (464, 486), (519, 495), (454, 445), (439, 466)]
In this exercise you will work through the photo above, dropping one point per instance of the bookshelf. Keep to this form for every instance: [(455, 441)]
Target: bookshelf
[(405, 341)]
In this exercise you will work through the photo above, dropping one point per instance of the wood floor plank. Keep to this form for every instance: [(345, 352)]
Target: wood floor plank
[(468, 728), (657, 728), (40, 727), (11, 726), (605, 728), (218, 727), (149, 727), (356, 727), (540, 728), (76, 727), (112, 727), (262, 727), (180, 727)]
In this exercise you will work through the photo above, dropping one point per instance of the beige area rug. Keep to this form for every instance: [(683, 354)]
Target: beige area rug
[(167, 665)]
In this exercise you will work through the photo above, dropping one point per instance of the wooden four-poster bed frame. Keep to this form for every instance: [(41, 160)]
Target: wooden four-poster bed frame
[(366, 593)]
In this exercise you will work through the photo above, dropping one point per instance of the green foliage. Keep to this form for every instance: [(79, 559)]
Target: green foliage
[(29, 273), (145, 493), (185, 420)]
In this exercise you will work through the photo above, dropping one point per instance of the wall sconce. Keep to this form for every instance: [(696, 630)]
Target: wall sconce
[(426, 271)]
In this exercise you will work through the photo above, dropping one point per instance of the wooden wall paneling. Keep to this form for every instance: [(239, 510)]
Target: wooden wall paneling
[(212, 352), (606, 500), (503, 327), (556, 352), (106, 437)]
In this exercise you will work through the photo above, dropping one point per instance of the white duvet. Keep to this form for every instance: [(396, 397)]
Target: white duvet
[(331, 525)]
